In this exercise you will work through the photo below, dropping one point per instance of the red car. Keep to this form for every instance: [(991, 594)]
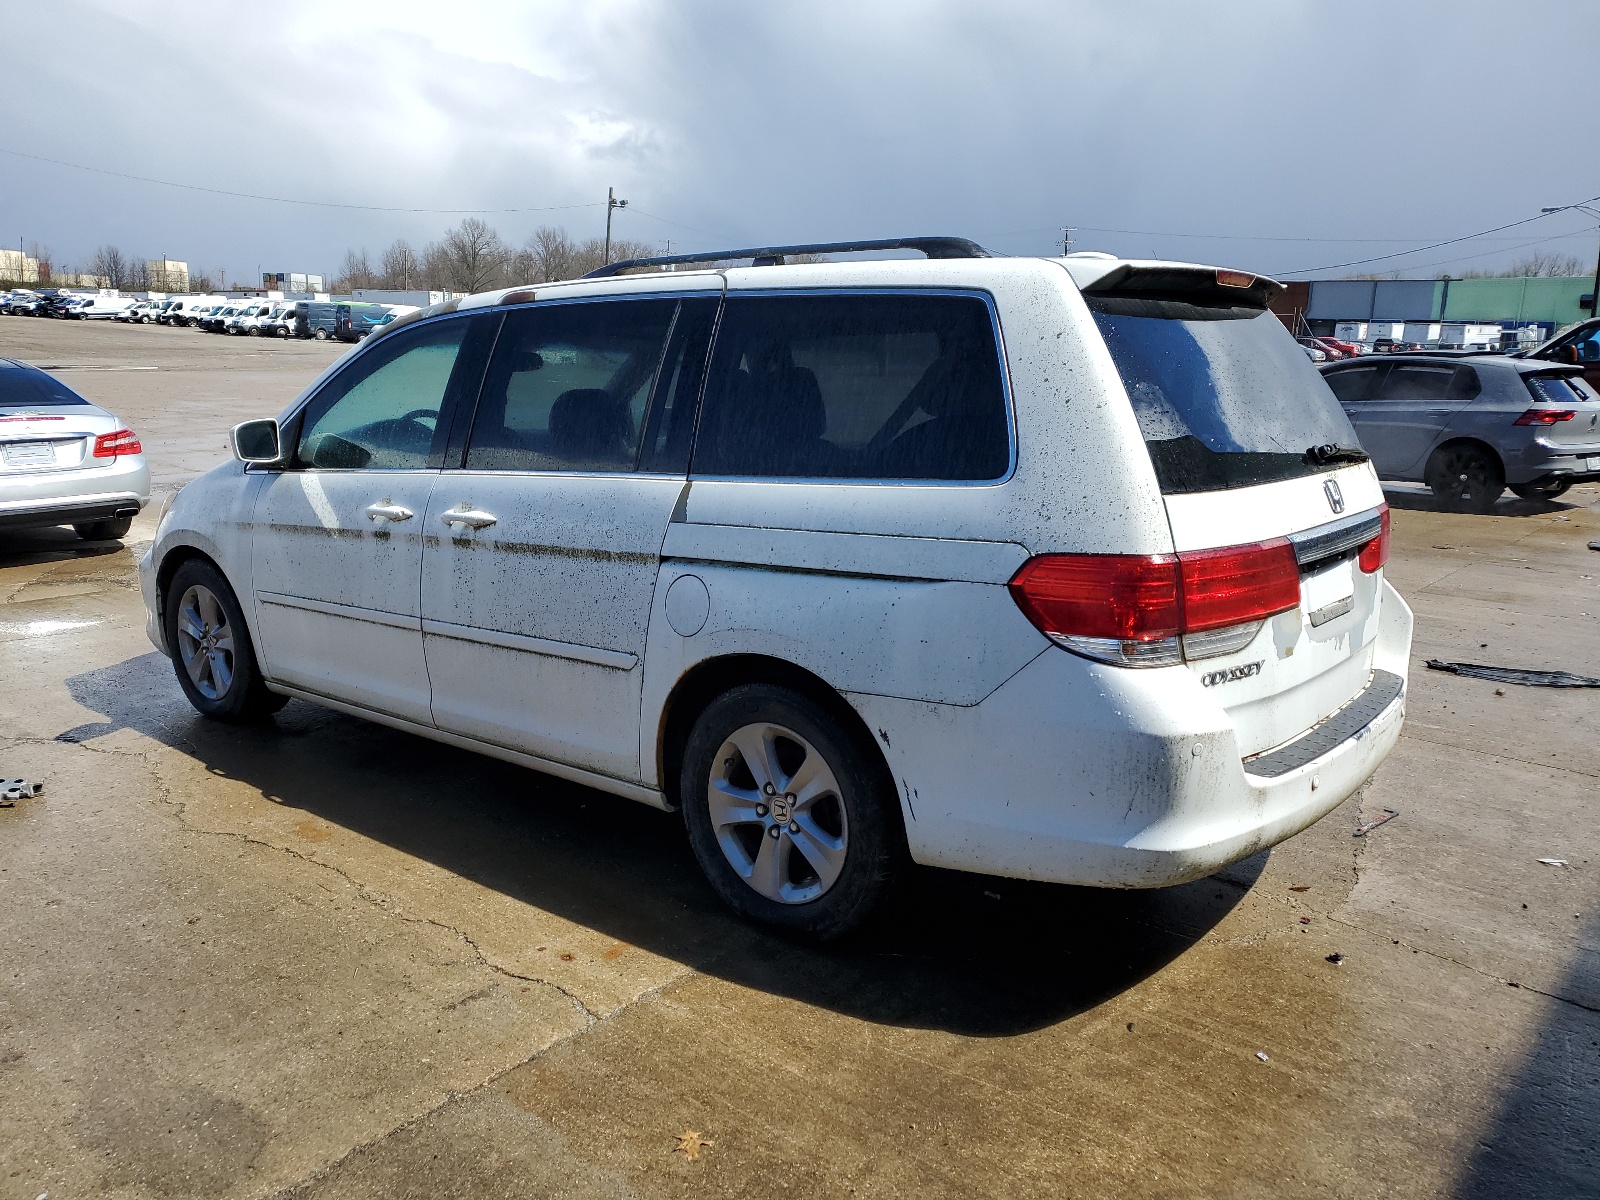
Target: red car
[(1345, 349)]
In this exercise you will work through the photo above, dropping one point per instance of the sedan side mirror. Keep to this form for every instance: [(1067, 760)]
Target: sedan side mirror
[(256, 441)]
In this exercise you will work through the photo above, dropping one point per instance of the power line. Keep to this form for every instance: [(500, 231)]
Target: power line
[(1360, 262), (189, 187)]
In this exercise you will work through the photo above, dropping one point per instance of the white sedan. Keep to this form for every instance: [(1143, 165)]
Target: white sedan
[(63, 460)]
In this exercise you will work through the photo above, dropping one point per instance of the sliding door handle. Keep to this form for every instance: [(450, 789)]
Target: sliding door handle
[(472, 518), (384, 511)]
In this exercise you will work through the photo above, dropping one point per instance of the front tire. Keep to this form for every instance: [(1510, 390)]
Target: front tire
[(791, 814), (211, 650), (1466, 478), (106, 530)]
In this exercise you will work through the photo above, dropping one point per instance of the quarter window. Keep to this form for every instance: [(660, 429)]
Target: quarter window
[(870, 386), (569, 386), (383, 410)]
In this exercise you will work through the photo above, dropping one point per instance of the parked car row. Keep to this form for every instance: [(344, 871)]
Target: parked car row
[(345, 321)]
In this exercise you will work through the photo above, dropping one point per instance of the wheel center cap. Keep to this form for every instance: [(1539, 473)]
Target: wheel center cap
[(782, 808)]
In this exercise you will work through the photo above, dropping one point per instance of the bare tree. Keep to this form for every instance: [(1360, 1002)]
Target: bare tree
[(356, 272), (202, 281), (472, 256), (109, 266), (400, 266)]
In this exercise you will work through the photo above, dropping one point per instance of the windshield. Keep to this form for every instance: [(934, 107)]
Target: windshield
[(25, 387), (1223, 401)]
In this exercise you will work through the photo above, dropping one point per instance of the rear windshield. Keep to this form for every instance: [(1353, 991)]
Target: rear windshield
[(24, 387), (1224, 398), (1556, 389)]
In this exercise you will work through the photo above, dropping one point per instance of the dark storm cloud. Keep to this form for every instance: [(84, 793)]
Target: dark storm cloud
[(742, 122)]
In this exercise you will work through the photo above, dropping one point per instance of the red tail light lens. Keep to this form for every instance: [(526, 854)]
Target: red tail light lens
[(1145, 599), (1238, 584), (1376, 552), (123, 441), (1129, 597), (1545, 416)]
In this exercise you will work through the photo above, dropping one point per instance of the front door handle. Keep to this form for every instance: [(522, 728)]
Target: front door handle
[(472, 518), (384, 511)]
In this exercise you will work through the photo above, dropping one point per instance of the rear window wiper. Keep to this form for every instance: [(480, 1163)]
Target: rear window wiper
[(1327, 455)]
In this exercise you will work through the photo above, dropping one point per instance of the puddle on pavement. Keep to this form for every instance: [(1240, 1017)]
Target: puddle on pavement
[(33, 629)]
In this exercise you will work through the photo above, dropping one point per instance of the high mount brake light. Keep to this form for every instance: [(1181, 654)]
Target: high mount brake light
[(1545, 416), (113, 445), (1376, 552), (1235, 279), (1134, 609)]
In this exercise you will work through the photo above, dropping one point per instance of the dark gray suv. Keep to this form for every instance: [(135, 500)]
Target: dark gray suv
[(1469, 426)]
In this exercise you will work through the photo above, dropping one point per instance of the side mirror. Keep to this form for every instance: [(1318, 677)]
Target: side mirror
[(256, 441)]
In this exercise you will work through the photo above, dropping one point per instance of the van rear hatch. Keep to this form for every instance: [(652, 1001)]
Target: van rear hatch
[(1251, 449)]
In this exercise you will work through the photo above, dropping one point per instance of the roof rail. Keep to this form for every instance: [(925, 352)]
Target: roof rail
[(769, 256)]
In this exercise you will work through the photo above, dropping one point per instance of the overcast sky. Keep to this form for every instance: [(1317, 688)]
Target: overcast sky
[(1307, 134)]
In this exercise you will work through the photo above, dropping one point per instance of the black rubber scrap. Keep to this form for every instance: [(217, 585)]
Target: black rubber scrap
[(1555, 679)]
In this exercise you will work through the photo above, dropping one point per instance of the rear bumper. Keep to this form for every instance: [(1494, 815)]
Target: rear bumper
[(67, 497), (1078, 773)]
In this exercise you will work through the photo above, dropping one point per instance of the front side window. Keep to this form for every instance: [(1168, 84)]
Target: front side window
[(383, 411), (1354, 383), (569, 385), (867, 386)]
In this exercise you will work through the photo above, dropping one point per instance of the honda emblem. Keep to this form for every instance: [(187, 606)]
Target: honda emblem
[(1335, 497)]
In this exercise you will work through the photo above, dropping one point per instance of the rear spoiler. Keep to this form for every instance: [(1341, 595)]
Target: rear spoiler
[(1207, 287)]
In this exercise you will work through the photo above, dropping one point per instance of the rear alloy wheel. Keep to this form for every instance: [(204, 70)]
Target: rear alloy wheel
[(101, 531), (321, 335), (1541, 491), (1466, 478), (794, 821), (211, 651)]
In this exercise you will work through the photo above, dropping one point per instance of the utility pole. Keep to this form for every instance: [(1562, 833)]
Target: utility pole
[(612, 204), (1066, 240), (1594, 297)]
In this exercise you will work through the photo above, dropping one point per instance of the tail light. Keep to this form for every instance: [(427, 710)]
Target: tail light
[(1376, 552), (1158, 609), (111, 445), (1545, 416)]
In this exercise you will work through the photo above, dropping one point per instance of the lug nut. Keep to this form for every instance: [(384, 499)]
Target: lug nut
[(761, 810), (773, 831), (794, 826)]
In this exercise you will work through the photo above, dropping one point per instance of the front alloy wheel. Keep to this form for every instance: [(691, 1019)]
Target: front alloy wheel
[(205, 642), (211, 650)]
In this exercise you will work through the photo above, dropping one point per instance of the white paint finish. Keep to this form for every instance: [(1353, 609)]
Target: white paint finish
[(531, 645), (688, 605), (951, 642), (862, 554), (1202, 520), (1075, 772), (605, 783), (1307, 672), (361, 637), (571, 560)]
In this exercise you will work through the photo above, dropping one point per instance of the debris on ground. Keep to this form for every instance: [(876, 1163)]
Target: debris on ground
[(1389, 814), (1555, 679), (1304, 887), (1594, 545), (691, 1143), (1336, 959), (1262, 1055), (1554, 862), (12, 790)]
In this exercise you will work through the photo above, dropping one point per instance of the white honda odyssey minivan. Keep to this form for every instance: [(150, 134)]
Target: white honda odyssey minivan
[(1062, 569)]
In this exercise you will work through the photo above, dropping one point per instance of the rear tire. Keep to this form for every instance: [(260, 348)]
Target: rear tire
[(1541, 491), (1466, 477), (792, 816), (211, 650), (100, 531), (321, 335)]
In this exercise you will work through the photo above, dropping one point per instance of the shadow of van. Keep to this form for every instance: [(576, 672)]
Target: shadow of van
[(963, 953)]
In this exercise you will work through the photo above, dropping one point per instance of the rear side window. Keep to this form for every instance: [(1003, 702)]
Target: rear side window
[(1223, 400), (866, 386), (1422, 381), (569, 386), (1356, 383), (26, 387), (1553, 389)]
